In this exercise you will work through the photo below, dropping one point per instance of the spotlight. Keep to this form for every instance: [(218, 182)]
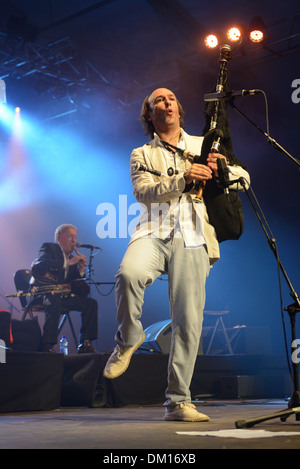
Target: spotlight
[(234, 34), (256, 35), (211, 41), (17, 110), (257, 30)]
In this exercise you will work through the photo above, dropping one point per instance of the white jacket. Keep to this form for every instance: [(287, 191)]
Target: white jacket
[(150, 189)]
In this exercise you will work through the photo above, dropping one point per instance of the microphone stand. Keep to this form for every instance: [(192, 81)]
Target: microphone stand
[(271, 140), (89, 279), (90, 269), (294, 401)]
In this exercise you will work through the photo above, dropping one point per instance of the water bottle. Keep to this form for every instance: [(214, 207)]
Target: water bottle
[(63, 345)]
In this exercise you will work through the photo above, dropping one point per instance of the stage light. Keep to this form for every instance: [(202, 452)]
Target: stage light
[(234, 34), (7, 117), (257, 30), (256, 35), (211, 41), (17, 110)]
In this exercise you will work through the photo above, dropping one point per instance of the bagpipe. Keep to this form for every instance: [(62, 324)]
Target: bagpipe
[(75, 287), (223, 204)]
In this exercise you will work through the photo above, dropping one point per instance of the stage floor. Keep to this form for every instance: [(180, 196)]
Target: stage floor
[(142, 428)]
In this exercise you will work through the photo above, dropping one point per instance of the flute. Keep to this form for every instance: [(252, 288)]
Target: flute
[(81, 262)]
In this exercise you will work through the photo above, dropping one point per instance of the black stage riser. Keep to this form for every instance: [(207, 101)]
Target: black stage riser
[(39, 381), (33, 381)]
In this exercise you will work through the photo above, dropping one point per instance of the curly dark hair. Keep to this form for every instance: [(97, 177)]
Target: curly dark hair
[(148, 125)]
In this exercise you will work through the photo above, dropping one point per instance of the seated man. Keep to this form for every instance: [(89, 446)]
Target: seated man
[(56, 265)]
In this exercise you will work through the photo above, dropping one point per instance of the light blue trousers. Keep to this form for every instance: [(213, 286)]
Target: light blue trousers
[(145, 260)]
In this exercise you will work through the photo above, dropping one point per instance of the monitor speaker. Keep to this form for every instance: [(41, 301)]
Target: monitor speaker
[(158, 338)]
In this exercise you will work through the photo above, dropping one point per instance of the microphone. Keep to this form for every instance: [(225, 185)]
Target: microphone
[(229, 94), (88, 246), (223, 175)]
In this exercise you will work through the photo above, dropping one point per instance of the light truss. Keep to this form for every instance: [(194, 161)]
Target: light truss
[(58, 60)]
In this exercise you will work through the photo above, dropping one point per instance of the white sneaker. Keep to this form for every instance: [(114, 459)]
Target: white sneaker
[(119, 360), (185, 412)]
